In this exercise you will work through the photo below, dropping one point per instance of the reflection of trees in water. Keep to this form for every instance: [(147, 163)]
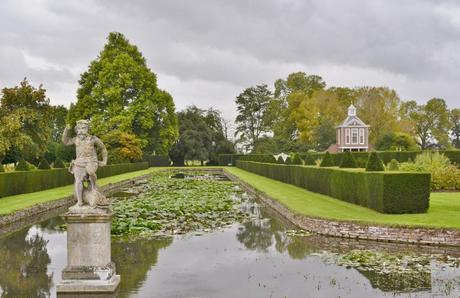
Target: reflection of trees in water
[(256, 235), (134, 259), (23, 266), (261, 234), (49, 226)]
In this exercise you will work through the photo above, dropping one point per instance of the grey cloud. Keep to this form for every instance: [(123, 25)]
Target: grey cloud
[(214, 49)]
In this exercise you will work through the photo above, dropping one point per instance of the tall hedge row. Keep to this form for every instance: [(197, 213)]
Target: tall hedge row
[(13, 183), (387, 192), (159, 161)]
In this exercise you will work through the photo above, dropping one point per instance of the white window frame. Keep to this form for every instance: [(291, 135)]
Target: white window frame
[(339, 141), (347, 136), (353, 132), (361, 136)]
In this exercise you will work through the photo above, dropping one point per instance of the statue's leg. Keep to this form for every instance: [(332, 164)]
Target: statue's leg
[(91, 170), (79, 174)]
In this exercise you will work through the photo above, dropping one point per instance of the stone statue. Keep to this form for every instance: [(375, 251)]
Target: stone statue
[(86, 163)]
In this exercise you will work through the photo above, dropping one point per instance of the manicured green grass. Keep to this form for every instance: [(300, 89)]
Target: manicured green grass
[(444, 211), (13, 203)]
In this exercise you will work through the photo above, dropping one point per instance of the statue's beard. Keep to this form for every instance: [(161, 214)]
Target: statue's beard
[(82, 135)]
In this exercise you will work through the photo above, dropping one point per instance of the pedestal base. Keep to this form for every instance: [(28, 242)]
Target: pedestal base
[(89, 266), (88, 286)]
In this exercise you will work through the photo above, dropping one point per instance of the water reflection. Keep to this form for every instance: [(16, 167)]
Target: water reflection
[(134, 259), (265, 231), (24, 264)]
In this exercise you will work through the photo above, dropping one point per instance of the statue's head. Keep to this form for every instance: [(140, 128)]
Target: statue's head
[(82, 128)]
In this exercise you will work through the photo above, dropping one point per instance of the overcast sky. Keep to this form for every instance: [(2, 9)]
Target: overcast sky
[(206, 52)]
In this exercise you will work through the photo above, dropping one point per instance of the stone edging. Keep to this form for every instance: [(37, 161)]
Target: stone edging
[(34, 212), (355, 230)]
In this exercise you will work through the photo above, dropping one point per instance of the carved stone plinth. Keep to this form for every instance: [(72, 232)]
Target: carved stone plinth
[(89, 265)]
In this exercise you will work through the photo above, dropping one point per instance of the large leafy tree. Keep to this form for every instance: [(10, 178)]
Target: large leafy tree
[(378, 107), (455, 127), (201, 136), (119, 93), (24, 120), (291, 97), (252, 105), (431, 124)]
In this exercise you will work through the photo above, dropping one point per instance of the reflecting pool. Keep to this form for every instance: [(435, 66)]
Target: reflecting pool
[(262, 256)]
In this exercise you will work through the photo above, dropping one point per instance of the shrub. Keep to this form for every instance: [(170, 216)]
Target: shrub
[(348, 161), (280, 160), (2, 170), (296, 160), (44, 165), (58, 164), (327, 161), (382, 191), (374, 163), (444, 175), (310, 160), (288, 161), (159, 161), (22, 165), (393, 165)]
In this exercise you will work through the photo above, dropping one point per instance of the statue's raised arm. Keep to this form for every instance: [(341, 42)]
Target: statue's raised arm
[(66, 139)]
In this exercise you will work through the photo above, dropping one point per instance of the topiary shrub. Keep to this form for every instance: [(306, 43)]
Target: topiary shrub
[(310, 160), (393, 165), (22, 165), (44, 165), (58, 164), (280, 160), (327, 161), (374, 164), (296, 160), (348, 161), (288, 161)]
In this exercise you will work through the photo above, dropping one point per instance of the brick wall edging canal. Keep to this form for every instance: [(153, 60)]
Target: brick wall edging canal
[(346, 229)]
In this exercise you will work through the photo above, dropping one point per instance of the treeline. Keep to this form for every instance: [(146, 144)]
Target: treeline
[(302, 112), (118, 93)]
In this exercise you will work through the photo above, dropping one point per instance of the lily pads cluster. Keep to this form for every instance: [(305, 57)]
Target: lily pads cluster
[(198, 202), (395, 272)]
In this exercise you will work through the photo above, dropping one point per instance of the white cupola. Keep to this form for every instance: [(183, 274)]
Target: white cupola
[(351, 110)]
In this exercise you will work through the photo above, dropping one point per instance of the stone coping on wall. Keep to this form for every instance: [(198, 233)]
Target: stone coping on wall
[(42, 211), (347, 229)]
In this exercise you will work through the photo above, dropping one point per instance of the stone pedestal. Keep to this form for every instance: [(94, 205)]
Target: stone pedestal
[(89, 265)]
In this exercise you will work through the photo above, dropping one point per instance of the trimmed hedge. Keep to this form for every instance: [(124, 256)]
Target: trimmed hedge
[(386, 192), (327, 161), (22, 165), (13, 183), (58, 164), (374, 163), (44, 165), (159, 161), (348, 161)]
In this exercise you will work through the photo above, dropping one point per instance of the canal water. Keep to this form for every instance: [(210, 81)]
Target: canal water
[(260, 257)]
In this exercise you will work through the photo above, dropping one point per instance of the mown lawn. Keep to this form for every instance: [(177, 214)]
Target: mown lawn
[(444, 211)]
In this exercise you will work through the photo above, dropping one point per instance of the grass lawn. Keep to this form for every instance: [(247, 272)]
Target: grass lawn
[(444, 211), (17, 202)]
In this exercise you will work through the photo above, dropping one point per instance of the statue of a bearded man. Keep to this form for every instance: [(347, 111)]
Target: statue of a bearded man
[(86, 163)]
